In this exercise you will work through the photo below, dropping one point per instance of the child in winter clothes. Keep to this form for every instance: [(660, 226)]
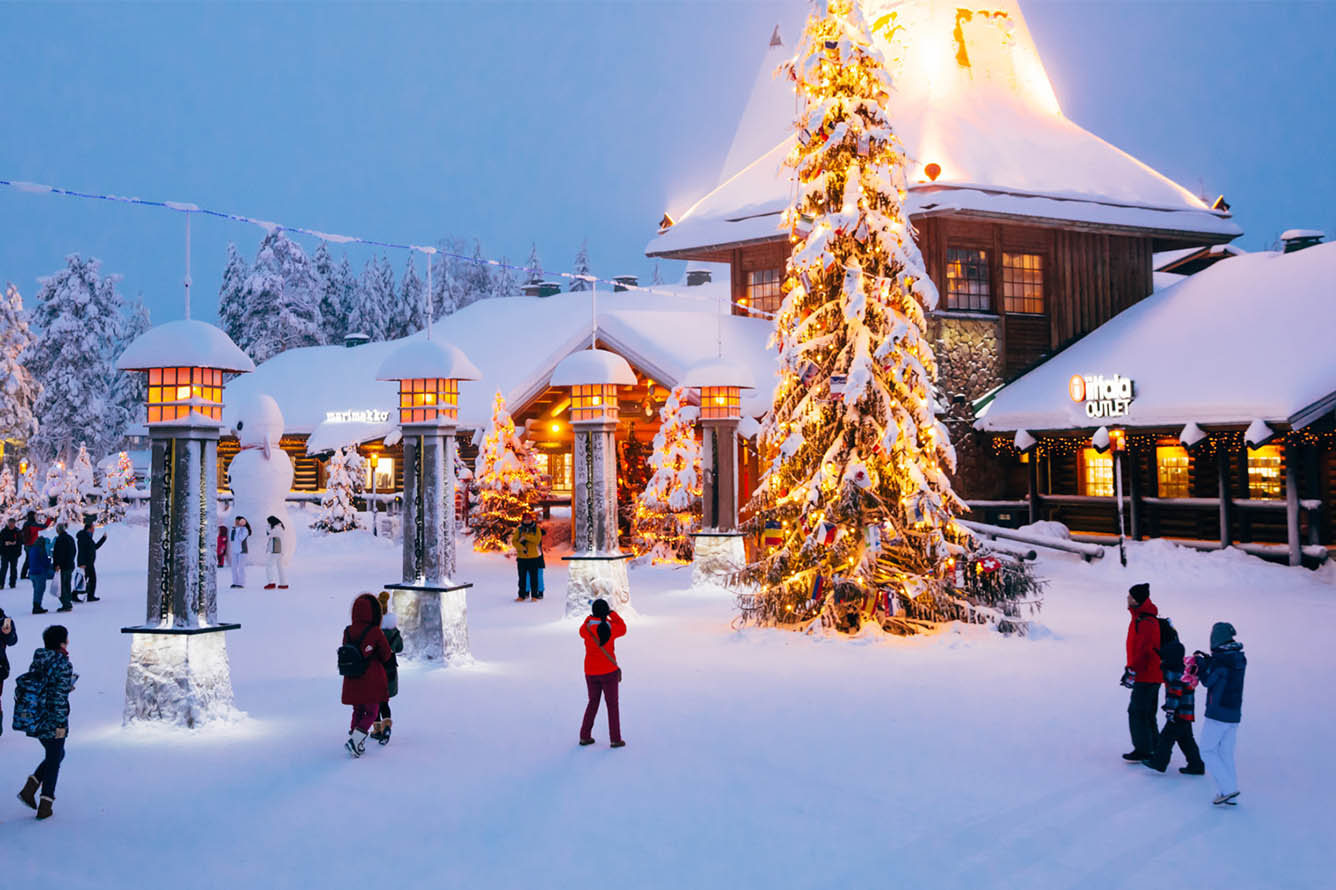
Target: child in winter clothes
[(602, 675), (42, 711), (221, 546), (390, 625), (1178, 709), (274, 570), (366, 691), (237, 550), (1222, 673)]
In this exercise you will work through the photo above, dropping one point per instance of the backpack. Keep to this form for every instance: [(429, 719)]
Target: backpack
[(352, 663), (28, 689), (1164, 625)]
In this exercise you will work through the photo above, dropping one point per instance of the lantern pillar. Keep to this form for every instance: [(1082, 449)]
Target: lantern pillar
[(720, 466), (718, 551)]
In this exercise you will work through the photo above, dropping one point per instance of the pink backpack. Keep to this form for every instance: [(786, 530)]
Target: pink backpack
[(1190, 677)]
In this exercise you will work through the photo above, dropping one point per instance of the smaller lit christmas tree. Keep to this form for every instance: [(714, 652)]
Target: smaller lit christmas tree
[(8, 494), (61, 491), (338, 513), (633, 472), (82, 470), (29, 498), (669, 509), (116, 481), (508, 482)]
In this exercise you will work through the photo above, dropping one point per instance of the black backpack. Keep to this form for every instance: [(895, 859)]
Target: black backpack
[(352, 663)]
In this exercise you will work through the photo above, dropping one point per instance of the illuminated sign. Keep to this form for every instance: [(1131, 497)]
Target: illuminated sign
[(1102, 396), (369, 416)]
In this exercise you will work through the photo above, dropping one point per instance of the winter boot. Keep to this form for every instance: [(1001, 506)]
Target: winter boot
[(618, 745), (356, 743), (1136, 756), (29, 793), (584, 742), (1198, 769), (92, 599), (38, 610), (270, 586), (1150, 764), (44, 808), (376, 730), (282, 587), (386, 725)]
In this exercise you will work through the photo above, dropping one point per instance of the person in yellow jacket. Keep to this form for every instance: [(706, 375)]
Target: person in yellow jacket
[(528, 543)]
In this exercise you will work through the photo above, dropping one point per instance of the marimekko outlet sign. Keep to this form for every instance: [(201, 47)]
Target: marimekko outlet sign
[(1102, 396)]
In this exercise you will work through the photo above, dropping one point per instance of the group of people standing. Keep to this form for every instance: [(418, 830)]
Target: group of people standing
[(1156, 656), (41, 707), (70, 558), (234, 543)]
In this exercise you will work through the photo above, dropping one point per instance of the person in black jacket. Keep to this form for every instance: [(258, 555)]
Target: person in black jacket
[(87, 557), (62, 558), (11, 548), (8, 637)]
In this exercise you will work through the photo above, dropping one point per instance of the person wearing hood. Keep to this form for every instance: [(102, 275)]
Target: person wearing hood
[(274, 571), (362, 660), (383, 727), (1222, 673), (1142, 673), (1179, 706), (529, 564), (602, 675), (237, 549), (42, 711), (39, 572)]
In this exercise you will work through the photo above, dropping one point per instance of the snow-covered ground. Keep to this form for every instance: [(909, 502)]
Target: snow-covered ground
[(755, 759)]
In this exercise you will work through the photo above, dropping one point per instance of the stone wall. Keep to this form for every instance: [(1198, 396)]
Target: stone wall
[(969, 363)]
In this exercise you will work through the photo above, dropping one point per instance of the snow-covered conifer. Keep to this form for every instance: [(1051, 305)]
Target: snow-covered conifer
[(668, 510), (581, 268), (657, 277), (19, 392), (281, 300), (82, 471), (332, 284), (30, 497), (9, 495), (116, 481), (448, 282), (533, 269), (338, 513), (507, 480), (475, 278), (77, 326), (129, 390), (232, 294), (410, 308), (504, 281)]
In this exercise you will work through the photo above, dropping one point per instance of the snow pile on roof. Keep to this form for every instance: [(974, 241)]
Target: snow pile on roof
[(718, 372), (592, 366), (516, 343), (181, 344), (421, 359), (972, 98), (1247, 339)]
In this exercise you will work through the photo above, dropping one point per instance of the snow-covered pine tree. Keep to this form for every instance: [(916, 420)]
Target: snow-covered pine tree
[(581, 268), (338, 513), (657, 277), (448, 281), (364, 316), (668, 510), (70, 503), (82, 471), (9, 495), (507, 482), (332, 288), (128, 391), (857, 476), (410, 309), (77, 326), (232, 294), (30, 497), (116, 481), (281, 300), (475, 277), (504, 281), (533, 269), (19, 392)]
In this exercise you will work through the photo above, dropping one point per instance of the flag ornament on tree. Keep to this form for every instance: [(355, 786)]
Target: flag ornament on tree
[(852, 436), (668, 510), (508, 482)]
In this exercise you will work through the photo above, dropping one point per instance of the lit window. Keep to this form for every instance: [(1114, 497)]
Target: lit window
[(1171, 471), (763, 290), (1023, 282), (559, 471), (173, 393), (720, 401), (1266, 472), (594, 402), (381, 476), (967, 279), (427, 399), (1096, 473)]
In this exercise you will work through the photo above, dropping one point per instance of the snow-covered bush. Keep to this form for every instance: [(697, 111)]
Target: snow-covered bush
[(338, 513), (118, 478)]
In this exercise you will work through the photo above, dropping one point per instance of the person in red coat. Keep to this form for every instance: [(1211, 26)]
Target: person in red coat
[(602, 675), (1142, 674), (366, 691)]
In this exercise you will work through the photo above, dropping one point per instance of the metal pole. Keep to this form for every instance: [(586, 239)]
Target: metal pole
[(429, 297), (187, 265), (1118, 495), (593, 313), (374, 531)]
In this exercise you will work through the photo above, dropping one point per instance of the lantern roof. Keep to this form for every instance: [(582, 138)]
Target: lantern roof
[(718, 372), (427, 359), (186, 343), (592, 366)]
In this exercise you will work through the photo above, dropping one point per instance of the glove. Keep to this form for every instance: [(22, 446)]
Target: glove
[(1170, 711), (1128, 679)]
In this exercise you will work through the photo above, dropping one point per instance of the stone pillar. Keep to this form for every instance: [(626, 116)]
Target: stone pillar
[(1292, 502), (179, 672), (720, 465), (597, 567)]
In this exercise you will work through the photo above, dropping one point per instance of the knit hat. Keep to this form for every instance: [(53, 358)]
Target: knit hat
[(1139, 592), (1221, 632)]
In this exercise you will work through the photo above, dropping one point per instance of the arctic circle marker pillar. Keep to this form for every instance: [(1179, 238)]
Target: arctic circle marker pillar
[(718, 550)]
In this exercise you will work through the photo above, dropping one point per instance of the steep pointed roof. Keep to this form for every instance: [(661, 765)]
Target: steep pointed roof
[(973, 98)]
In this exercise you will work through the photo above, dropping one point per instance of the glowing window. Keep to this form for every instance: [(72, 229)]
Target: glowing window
[(594, 402), (428, 399), (1266, 467), (1023, 283), (559, 471), (763, 290), (967, 279), (173, 393), (1171, 471), (382, 475), (720, 401), (1096, 473)]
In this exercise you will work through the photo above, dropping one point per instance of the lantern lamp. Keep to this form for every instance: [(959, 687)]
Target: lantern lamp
[(428, 373), (185, 361), (719, 549)]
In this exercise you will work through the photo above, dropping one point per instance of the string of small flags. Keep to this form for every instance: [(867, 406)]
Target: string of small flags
[(334, 238)]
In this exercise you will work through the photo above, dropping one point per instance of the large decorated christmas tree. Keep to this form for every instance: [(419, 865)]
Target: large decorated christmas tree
[(508, 482), (668, 510), (855, 504)]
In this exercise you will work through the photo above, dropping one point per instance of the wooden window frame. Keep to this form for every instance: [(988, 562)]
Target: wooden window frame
[(1173, 471), (1084, 483), (1266, 473), (988, 304), (763, 296), (1021, 276)]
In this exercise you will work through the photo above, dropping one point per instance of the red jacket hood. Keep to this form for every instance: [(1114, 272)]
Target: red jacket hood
[(366, 610), (1146, 608)]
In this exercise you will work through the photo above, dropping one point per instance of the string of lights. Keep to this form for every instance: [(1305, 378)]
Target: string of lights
[(186, 207)]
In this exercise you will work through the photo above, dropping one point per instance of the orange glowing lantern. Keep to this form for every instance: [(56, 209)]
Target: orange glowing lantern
[(185, 361), (428, 372), (593, 376)]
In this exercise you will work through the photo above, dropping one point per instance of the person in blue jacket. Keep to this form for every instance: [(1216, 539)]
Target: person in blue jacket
[(40, 570), (1222, 673)]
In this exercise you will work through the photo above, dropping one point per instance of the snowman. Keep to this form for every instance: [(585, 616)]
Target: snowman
[(261, 474)]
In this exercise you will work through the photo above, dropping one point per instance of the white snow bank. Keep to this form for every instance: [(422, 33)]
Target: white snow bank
[(184, 343)]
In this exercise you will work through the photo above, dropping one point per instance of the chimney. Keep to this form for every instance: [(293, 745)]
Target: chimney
[(1298, 239), (774, 38), (532, 289), (624, 282), (355, 338), (697, 277)]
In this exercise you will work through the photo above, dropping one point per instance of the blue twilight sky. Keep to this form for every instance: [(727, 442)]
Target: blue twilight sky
[(553, 122)]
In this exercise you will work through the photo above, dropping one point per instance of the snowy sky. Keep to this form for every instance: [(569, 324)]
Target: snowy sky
[(553, 121)]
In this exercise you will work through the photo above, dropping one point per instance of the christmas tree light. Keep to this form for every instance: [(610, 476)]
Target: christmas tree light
[(337, 510), (118, 478), (508, 482), (668, 510)]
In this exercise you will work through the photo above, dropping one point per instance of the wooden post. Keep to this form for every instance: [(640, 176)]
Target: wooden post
[(1292, 502), (1134, 491), (1245, 492), (1226, 501), (1033, 474)]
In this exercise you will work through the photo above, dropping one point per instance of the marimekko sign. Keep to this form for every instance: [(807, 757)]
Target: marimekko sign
[(1102, 396), (369, 416)]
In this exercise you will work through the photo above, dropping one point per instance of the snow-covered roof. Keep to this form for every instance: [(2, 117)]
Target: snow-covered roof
[(973, 98), (184, 343), (1295, 234), (330, 434), (719, 372), (516, 343), (592, 366), (425, 359), (1247, 339)]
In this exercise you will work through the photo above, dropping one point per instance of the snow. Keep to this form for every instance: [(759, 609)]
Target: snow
[(1295, 234), (1191, 435), (1247, 338), (1023, 440), (592, 366), (995, 128), (1258, 434), (424, 358), (331, 434), (986, 761), (718, 372), (184, 343)]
